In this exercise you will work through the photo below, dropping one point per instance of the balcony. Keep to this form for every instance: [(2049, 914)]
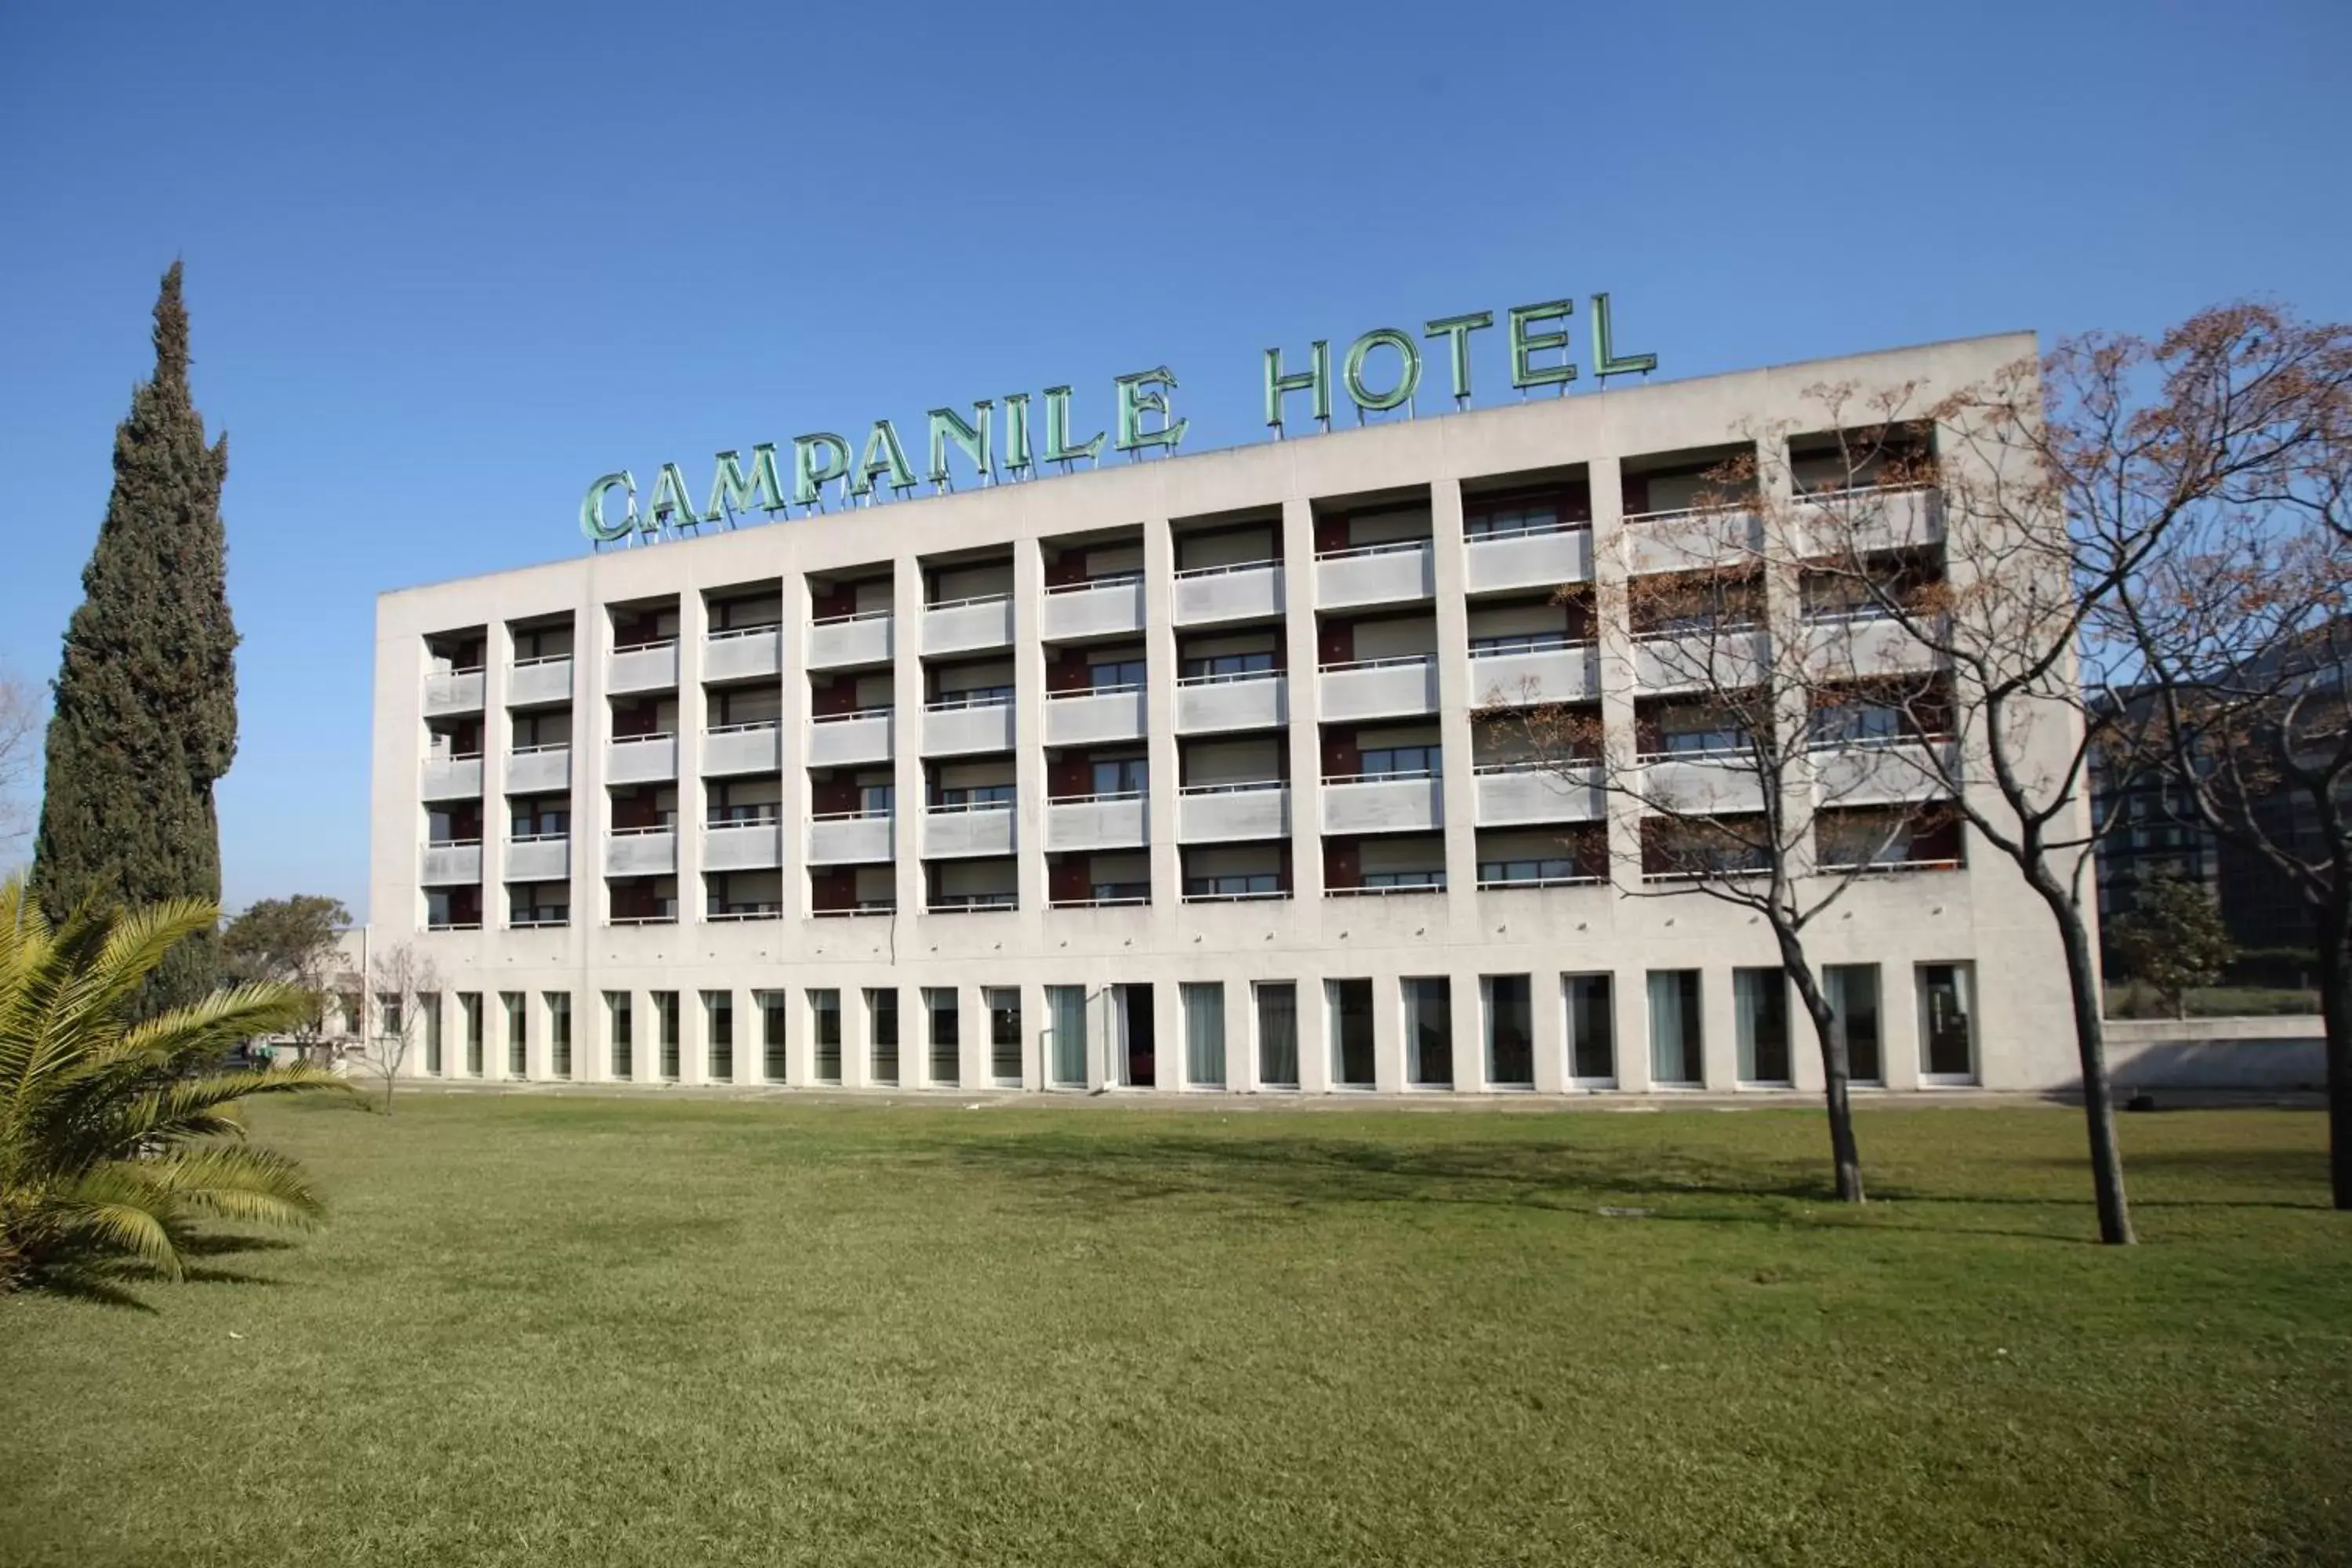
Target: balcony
[(743, 845), (647, 667), (1868, 518), (1385, 803), (1882, 773), (539, 770), (1098, 822), (453, 778), (457, 863), (954, 725), (641, 852), (839, 641), (956, 831), (1088, 718), (1544, 558), (743, 653), (1209, 593), (1516, 795), (1702, 782), (538, 858), (853, 838), (1215, 813), (756, 748), (1528, 671), (641, 759), (963, 625), (1720, 660), (1107, 608), (1858, 643), (1691, 539), (452, 692), (1379, 688), (536, 682), (839, 740), (1208, 703), (1388, 573)]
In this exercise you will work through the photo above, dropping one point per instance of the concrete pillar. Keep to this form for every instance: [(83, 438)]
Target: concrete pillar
[(1163, 673), (1028, 730), (906, 730), (1457, 701)]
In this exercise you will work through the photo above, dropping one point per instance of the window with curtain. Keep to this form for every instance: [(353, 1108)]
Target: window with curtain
[(518, 1033), (1674, 1045), (882, 1034), (774, 1006), (1760, 999), (1204, 1033), (1429, 1031), (1065, 1012), (719, 1034), (825, 1033), (1852, 991), (429, 1004), (1947, 1013), (1592, 1030), (469, 1014), (1349, 1004), (559, 1032), (1003, 1032), (1278, 1034), (619, 1029), (940, 1005), (1510, 1031), (666, 1033)]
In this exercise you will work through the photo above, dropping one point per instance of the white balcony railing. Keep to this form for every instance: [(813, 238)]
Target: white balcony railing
[(743, 653), (541, 769), (1103, 608), (954, 725), (453, 778), (1511, 794), (852, 839), (1534, 671), (449, 691), (536, 682), (1393, 572), (1402, 686), (1227, 812), (1385, 803), (753, 748), (1690, 538), (1101, 713), (641, 851), (743, 845), (1115, 821), (1255, 699), (962, 626), (836, 739), (982, 827), (641, 759), (839, 641), (1530, 558), (643, 666), (456, 862), (1207, 594), (538, 858)]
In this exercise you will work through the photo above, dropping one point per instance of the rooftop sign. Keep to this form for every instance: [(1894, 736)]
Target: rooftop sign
[(1143, 421)]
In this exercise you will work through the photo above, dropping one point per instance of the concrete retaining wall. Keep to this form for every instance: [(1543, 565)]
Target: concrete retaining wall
[(2287, 1053)]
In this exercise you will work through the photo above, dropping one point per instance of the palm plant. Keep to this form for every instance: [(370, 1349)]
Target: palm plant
[(117, 1138)]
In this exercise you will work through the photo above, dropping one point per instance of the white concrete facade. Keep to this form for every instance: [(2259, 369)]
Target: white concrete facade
[(990, 909)]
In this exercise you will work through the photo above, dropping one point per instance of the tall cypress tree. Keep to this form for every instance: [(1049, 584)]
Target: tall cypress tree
[(146, 698)]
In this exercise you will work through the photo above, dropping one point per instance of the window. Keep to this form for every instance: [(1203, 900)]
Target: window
[(1349, 1005), (388, 1014), (882, 1034), (940, 1006), (1204, 1033), (1227, 666), (1855, 724), (619, 1029), (517, 1038), (429, 1004), (1852, 991), (1399, 762), (1120, 893), (1123, 776), (1947, 1023), (1510, 1031), (559, 1032), (542, 819), (1429, 1033), (719, 1034), (976, 697), (1759, 997), (742, 812), (972, 797), (1699, 731), (1423, 879), (1113, 674), (1066, 1007), (1591, 1031), (1232, 885), (1004, 1003), (469, 1015), (825, 1033), (1507, 522), (666, 1033), (1549, 868), (1674, 1038), (1516, 642), (877, 800), (772, 1011), (1277, 1033)]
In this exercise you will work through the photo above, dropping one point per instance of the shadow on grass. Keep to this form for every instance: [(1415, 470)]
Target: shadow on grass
[(110, 1284)]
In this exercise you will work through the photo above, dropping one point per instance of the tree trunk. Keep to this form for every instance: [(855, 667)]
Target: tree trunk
[(2090, 1050), (2335, 1009), (1846, 1154)]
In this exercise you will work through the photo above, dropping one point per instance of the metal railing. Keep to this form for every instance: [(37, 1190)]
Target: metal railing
[(1743, 509), (972, 903), (881, 615), (1393, 661), (1382, 890), (667, 920), (970, 601), (539, 922), (1229, 678), (653, 646), (1108, 579), (957, 700), (1099, 798), (1532, 642), (1127, 901), (1523, 529), (453, 844), (862, 814), (771, 817), (539, 837), (747, 728), (1404, 775), (1389, 547), (852, 716), (1192, 898), (538, 659), (953, 808), (757, 913), (1116, 688), (642, 831), (732, 634), (1494, 884), (1243, 786), (1225, 571), (539, 750)]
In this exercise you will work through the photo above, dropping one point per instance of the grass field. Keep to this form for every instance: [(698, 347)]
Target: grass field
[(601, 1330)]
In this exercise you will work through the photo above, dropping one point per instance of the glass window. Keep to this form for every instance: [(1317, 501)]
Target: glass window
[(1120, 893), (1675, 1038), (1277, 1033), (941, 1009), (1852, 991), (619, 1032), (1947, 1052), (1855, 723), (559, 1032), (977, 794), (428, 1006), (1505, 521), (666, 1033), (718, 1020), (1349, 1003), (1687, 731), (1116, 673), (1553, 869), (882, 1033), (773, 1008), (877, 800), (1065, 1006), (1003, 1003), (469, 1014), (518, 1033), (1423, 879), (1123, 776), (1429, 1031), (1204, 1034), (388, 1014), (1231, 885), (1228, 665), (1516, 642), (1510, 1031), (825, 1033), (1591, 1031), (1399, 762), (1760, 999)]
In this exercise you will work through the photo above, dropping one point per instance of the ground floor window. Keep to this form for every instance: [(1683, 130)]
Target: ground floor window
[(719, 1035), (774, 1006), (882, 1034), (1948, 1045), (1510, 1031), (470, 1016), (429, 1004), (666, 1033), (1277, 1033), (825, 1034), (620, 1030), (1760, 999), (1592, 1030), (946, 1025), (1003, 1003), (1204, 1034), (1349, 1004), (1429, 1031), (518, 1033), (1851, 992), (559, 1033), (1066, 1015), (1675, 1040)]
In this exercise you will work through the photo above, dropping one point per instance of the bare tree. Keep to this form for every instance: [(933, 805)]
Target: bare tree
[(405, 986), (21, 717)]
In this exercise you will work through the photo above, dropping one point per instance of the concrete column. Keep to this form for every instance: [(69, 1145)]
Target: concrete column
[(498, 738), (1719, 1025), (1616, 657), (856, 1040), (978, 1072), (791, 732), (1241, 1038), (1313, 1035), (906, 754), (1306, 707), (1162, 671), (1899, 1022), (1388, 1034), (1547, 1029), (1457, 703), (1469, 1011), (1028, 730), (693, 1039), (591, 803), (693, 723), (1629, 1005), (1168, 1036)]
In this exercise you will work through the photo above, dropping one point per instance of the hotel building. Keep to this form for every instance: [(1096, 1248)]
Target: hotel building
[(1164, 777)]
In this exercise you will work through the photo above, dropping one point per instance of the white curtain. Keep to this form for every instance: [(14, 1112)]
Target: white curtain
[(1204, 1034), (1066, 1010), (1674, 1007), (1278, 1034)]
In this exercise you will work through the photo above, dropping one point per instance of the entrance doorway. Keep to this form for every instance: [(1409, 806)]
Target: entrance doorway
[(1135, 1058)]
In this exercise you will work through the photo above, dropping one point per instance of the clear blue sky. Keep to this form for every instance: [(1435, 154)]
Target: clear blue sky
[(446, 263)]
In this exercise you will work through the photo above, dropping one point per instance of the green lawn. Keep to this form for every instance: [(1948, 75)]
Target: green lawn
[(573, 1331)]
